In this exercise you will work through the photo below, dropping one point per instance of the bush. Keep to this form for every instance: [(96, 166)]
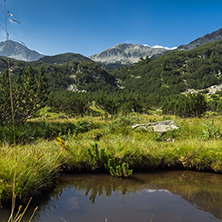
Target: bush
[(33, 131), (190, 105)]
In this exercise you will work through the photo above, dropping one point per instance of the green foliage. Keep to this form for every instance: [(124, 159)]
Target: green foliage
[(29, 94), (215, 104), (175, 71), (36, 165), (69, 102), (120, 125), (190, 105), (212, 132), (64, 58), (98, 157), (124, 102), (63, 71), (115, 167), (34, 131), (118, 169)]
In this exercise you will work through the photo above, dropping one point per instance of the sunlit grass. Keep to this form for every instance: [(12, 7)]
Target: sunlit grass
[(36, 165)]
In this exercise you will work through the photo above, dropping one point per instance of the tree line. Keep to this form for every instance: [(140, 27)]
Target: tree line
[(31, 92)]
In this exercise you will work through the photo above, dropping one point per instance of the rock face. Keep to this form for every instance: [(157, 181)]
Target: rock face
[(19, 52), (214, 36), (126, 54), (158, 127)]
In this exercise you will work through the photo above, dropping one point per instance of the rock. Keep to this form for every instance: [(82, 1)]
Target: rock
[(158, 127)]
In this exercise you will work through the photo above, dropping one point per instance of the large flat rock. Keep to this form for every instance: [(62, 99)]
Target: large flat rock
[(158, 127)]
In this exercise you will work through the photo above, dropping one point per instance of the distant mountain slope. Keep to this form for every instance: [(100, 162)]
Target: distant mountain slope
[(175, 72), (61, 59), (126, 54), (19, 52), (75, 76), (214, 36)]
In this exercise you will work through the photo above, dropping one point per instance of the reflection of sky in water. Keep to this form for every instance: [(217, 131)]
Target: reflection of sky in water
[(161, 205), (180, 196)]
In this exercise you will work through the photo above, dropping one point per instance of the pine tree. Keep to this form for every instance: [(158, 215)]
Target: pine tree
[(29, 95)]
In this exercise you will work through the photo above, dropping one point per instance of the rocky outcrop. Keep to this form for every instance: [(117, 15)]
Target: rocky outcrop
[(210, 90)]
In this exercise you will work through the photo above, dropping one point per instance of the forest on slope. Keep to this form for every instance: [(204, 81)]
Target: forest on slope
[(175, 72), (74, 85)]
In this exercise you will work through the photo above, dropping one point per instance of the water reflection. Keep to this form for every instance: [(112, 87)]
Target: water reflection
[(160, 196), (201, 189), (99, 185)]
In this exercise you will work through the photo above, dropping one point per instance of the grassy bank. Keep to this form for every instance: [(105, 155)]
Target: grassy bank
[(33, 167)]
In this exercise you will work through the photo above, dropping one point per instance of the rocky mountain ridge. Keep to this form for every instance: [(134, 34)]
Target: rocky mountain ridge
[(19, 51), (126, 54), (115, 57), (214, 36)]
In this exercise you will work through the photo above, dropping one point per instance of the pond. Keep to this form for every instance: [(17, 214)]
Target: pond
[(159, 196)]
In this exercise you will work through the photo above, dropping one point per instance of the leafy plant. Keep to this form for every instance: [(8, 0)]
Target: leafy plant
[(118, 169), (212, 132), (98, 157)]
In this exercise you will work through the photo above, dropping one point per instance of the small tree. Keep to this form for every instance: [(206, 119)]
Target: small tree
[(29, 95), (190, 105)]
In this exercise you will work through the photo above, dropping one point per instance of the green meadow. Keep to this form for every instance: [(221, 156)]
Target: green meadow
[(58, 145)]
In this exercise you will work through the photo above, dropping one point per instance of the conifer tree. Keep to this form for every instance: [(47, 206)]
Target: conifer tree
[(29, 95)]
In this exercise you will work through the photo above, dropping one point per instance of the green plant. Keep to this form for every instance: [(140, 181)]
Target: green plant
[(212, 132), (153, 135), (83, 125), (190, 105), (98, 157), (29, 94), (118, 169), (120, 125), (166, 118)]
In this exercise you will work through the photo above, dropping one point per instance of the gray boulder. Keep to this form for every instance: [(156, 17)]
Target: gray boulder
[(158, 127)]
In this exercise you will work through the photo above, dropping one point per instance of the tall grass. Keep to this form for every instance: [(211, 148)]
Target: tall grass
[(36, 165)]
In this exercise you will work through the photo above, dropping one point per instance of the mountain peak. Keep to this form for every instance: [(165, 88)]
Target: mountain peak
[(19, 51), (126, 54)]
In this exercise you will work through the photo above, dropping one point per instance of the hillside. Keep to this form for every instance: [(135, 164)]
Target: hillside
[(175, 71), (62, 59), (73, 76)]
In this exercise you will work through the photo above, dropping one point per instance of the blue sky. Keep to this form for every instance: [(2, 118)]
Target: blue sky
[(91, 26)]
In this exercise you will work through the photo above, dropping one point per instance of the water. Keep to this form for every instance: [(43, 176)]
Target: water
[(178, 196)]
